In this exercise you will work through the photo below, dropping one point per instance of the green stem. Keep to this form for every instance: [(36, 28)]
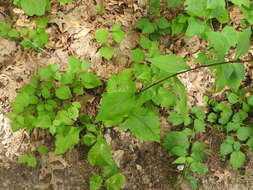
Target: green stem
[(192, 69)]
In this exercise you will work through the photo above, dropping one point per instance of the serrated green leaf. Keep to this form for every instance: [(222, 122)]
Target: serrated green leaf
[(63, 92), (199, 112), (164, 97), (232, 98), (232, 126), (199, 125), (195, 27), (106, 52), (100, 154), (212, 117), (237, 159), (196, 7), (243, 133), (198, 168), (145, 43), (90, 80), (96, 182), (144, 124), (89, 139), (115, 182), (169, 63), (174, 3), (162, 23), (34, 7), (246, 3), (137, 55), (121, 82), (175, 138), (250, 100), (180, 160), (226, 149), (64, 142), (199, 151), (115, 105), (175, 118), (28, 159), (102, 35), (243, 42)]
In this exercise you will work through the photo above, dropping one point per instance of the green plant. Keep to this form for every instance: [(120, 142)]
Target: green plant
[(30, 38), (102, 36), (36, 7), (28, 159)]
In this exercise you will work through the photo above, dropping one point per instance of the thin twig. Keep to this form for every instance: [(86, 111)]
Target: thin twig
[(192, 69)]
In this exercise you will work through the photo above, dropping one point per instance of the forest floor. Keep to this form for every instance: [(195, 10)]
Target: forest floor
[(146, 166)]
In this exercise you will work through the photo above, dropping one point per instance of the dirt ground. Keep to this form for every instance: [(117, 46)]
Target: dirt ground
[(146, 166)]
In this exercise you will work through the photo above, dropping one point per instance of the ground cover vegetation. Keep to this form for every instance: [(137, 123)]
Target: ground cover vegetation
[(50, 100)]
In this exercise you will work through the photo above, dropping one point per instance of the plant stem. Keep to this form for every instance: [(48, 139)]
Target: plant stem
[(192, 69)]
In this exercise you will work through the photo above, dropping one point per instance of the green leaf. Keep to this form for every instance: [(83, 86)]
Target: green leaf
[(199, 125), (145, 43), (121, 82), (117, 35), (225, 148), (100, 9), (198, 168), (246, 3), (230, 34), (199, 113), (231, 126), (195, 27), (96, 182), (250, 144), (232, 98), (243, 42), (175, 118), (89, 139), (237, 76), (106, 52), (219, 43), (243, 133), (47, 72), (196, 7), (74, 65), (212, 117), (64, 142), (28, 159), (100, 154), (34, 7), (43, 150), (144, 124), (237, 159), (137, 55), (180, 160), (250, 100), (43, 121), (164, 97), (102, 35), (169, 63), (65, 1), (162, 23), (90, 80), (146, 26), (115, 182), (199, 151), (174, 139), (174, 3), (63, 92), (115, 105)]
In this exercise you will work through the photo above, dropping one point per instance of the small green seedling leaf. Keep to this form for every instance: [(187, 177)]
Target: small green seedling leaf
[(96, 182), (115, 182), (102, 35), (63, 92), (106, 52), (28, 159), (137, 55), (237, 159)]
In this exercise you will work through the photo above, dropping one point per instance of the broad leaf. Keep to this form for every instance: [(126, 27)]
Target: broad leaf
[(144, 124), (237, 159), (243, 42), (169, 63)]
